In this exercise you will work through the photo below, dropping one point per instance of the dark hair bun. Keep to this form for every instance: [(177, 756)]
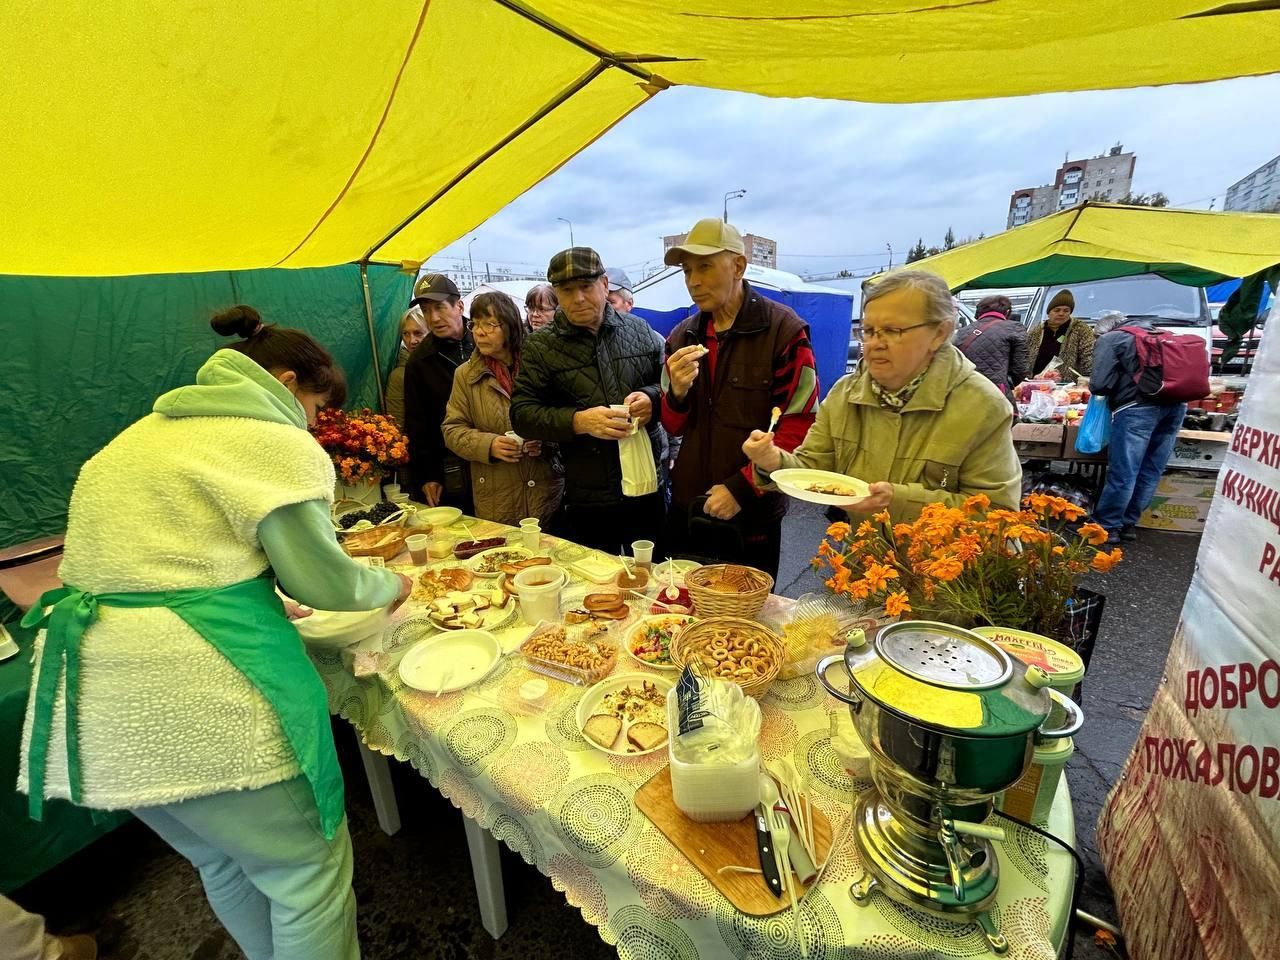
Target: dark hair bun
[(240, 321)]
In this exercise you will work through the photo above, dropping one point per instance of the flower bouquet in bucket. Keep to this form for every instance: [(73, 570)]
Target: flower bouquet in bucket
[(364, 447), (969, 565)]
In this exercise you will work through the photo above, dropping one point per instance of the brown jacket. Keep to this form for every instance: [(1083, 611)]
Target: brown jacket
[(721, 415), (479, 411), (1076, 352)]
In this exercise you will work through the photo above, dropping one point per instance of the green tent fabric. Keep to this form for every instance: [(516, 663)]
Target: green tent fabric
[(84, 358)]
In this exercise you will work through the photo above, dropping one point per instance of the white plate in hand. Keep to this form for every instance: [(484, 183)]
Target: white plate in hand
[(450, 661), (796, 481)]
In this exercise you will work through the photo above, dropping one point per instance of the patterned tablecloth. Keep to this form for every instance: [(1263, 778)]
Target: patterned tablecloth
[(523, 771)]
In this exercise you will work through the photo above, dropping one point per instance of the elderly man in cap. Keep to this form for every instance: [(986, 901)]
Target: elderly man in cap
[(587, 360), (729, 367), (436, 476)]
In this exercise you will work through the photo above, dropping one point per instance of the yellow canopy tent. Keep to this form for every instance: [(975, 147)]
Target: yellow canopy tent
[(148, 138), (1099, 241)]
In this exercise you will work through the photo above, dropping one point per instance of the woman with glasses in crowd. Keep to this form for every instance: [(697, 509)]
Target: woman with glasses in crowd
[(916, 421), (540, 305), (510, 478)]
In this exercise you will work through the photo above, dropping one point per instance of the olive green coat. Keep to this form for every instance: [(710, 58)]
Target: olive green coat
[(478, 411), (950, 441), (1076, 351)]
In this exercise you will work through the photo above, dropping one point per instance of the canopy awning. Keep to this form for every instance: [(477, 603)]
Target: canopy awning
[(144, 138), (1100, 241)]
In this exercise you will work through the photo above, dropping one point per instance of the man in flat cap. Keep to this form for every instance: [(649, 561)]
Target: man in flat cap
[(436, 476), (588, 359)]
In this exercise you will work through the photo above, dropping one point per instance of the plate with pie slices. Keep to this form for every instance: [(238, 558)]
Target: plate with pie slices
[(820, 486), (626, 714)]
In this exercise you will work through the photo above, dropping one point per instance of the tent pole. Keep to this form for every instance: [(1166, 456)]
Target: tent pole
[(373, 333)]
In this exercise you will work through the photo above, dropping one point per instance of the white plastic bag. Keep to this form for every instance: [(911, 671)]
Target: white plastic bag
[(639, 472), (1041, 406)]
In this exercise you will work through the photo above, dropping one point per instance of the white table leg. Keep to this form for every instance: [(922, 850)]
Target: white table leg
[(487, 870), (378, 772)]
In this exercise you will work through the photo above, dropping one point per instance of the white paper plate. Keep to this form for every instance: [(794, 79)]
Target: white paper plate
[(591, 699), (474, 562), (796, 481), (459, 659), (636, 633), (491, 618)]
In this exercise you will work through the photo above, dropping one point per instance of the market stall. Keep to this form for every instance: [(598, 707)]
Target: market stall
[(509, 750)]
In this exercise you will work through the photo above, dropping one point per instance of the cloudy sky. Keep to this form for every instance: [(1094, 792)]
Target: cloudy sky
[(834, 182)]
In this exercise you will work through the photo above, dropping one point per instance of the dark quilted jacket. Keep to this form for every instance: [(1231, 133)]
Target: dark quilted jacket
[(999, 351), (564, 369)]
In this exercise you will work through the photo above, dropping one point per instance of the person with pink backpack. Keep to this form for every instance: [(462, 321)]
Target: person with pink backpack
[(1147, 376)]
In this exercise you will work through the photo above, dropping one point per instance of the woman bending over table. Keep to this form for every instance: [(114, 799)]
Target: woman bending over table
[(510, 479), (188, 697), (916, 421)]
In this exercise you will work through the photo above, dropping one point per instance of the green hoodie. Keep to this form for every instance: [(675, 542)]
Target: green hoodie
[(299, 538), (231, 385)]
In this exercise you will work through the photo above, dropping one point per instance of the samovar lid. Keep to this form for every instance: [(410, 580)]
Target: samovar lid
[(939, 675)]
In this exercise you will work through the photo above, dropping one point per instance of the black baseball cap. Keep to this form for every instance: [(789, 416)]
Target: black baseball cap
[(435, 287)]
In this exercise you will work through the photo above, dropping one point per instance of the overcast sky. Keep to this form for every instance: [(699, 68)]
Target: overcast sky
[(834, 182)]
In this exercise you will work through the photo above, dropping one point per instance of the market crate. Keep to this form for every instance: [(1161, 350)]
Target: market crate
[(1039, 440)]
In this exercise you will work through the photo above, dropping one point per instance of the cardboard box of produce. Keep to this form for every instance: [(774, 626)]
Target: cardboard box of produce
[(1187, 485), (1181, 514), (1039, 439), (1199, 449)]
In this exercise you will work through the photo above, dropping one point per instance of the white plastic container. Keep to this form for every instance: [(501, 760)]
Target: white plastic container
[(539, 591), (711, 792), (1031, 798)]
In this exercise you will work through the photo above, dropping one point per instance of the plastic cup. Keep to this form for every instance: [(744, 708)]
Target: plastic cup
[(440, 549), (391, 491), (642, 550), (531, 536), (511, 434), (418, 547), (530, 522), (625, 410)]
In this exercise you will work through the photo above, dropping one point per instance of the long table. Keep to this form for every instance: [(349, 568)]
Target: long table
[(527, 777)]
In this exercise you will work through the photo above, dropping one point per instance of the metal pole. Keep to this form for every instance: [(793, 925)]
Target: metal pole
[(373, 333), (890, 246), (471, 267), (731, 195), (570, 223)]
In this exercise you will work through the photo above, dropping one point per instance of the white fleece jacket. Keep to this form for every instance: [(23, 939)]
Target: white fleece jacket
[(174, 503)]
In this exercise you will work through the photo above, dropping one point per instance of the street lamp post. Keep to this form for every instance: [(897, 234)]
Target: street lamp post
[(570, 223), (731, 195), (889, 247), (470, 263)]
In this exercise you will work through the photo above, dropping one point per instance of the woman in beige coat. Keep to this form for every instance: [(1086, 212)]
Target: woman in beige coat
[(510, 478)]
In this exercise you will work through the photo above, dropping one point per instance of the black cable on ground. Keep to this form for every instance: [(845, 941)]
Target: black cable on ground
[(1076, 889)]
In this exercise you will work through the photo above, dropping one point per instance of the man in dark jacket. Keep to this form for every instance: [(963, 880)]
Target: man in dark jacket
[(572, 371), (1143, 431), (731, 364), (996, 345), (436, 476)]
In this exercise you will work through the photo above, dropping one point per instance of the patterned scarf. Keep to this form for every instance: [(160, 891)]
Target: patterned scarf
[(897, 399), (506, 376)]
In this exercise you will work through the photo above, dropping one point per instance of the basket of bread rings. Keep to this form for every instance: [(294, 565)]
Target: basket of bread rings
[(733, 649), (728, 590)]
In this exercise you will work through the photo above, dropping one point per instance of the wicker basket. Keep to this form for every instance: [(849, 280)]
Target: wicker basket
[(371, 543), (749, 590), (700, 638)]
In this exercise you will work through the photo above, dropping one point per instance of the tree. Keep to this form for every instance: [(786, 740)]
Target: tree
[(1156, 199), (949, 240), (917, 252)]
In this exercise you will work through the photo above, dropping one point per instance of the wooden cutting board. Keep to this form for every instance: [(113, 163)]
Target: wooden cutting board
[(710, 846)]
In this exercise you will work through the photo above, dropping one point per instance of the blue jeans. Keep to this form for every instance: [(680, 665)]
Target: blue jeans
[(279, 887), (1142, 439)]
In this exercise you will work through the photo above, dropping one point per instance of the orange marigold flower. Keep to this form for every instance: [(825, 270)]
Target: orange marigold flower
[(841, 579), (946, 569), (838, 530), (902, 530), (1059, 551), (1072, 513), (1094, 533), (1038, 502), (865, 529), (837, 561), (881, 517), (878, 576), (896, 604), (978, 503), (967, 548), (824, 549), (859, 590), (1102, 562)]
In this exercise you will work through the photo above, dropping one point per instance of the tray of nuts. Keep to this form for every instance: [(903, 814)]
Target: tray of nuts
[(550, 651)]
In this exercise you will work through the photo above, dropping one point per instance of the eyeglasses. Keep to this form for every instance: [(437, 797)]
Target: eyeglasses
[(484, 326), (888, 334)]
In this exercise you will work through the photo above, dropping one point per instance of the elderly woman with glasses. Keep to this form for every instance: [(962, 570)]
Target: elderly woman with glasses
[(917, 421), (511, 478), (540, 305)]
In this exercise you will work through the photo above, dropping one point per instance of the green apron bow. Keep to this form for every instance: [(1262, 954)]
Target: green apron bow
[(246, 623)]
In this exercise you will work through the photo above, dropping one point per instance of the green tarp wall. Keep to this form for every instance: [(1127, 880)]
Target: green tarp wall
[(82, 358)]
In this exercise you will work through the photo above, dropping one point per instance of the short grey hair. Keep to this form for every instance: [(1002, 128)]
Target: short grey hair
[(1108, 320), (414, 313), (939, 308)]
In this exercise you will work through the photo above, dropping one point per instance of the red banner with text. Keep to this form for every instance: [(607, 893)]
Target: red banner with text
[(1190, 836)]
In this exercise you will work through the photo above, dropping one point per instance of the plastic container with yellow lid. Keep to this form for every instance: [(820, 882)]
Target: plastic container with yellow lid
[(1063, 665)]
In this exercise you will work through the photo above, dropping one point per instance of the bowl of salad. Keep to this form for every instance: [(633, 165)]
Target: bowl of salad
[(649, 641)]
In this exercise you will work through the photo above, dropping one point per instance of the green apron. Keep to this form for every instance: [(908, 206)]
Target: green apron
[(246, 622)]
